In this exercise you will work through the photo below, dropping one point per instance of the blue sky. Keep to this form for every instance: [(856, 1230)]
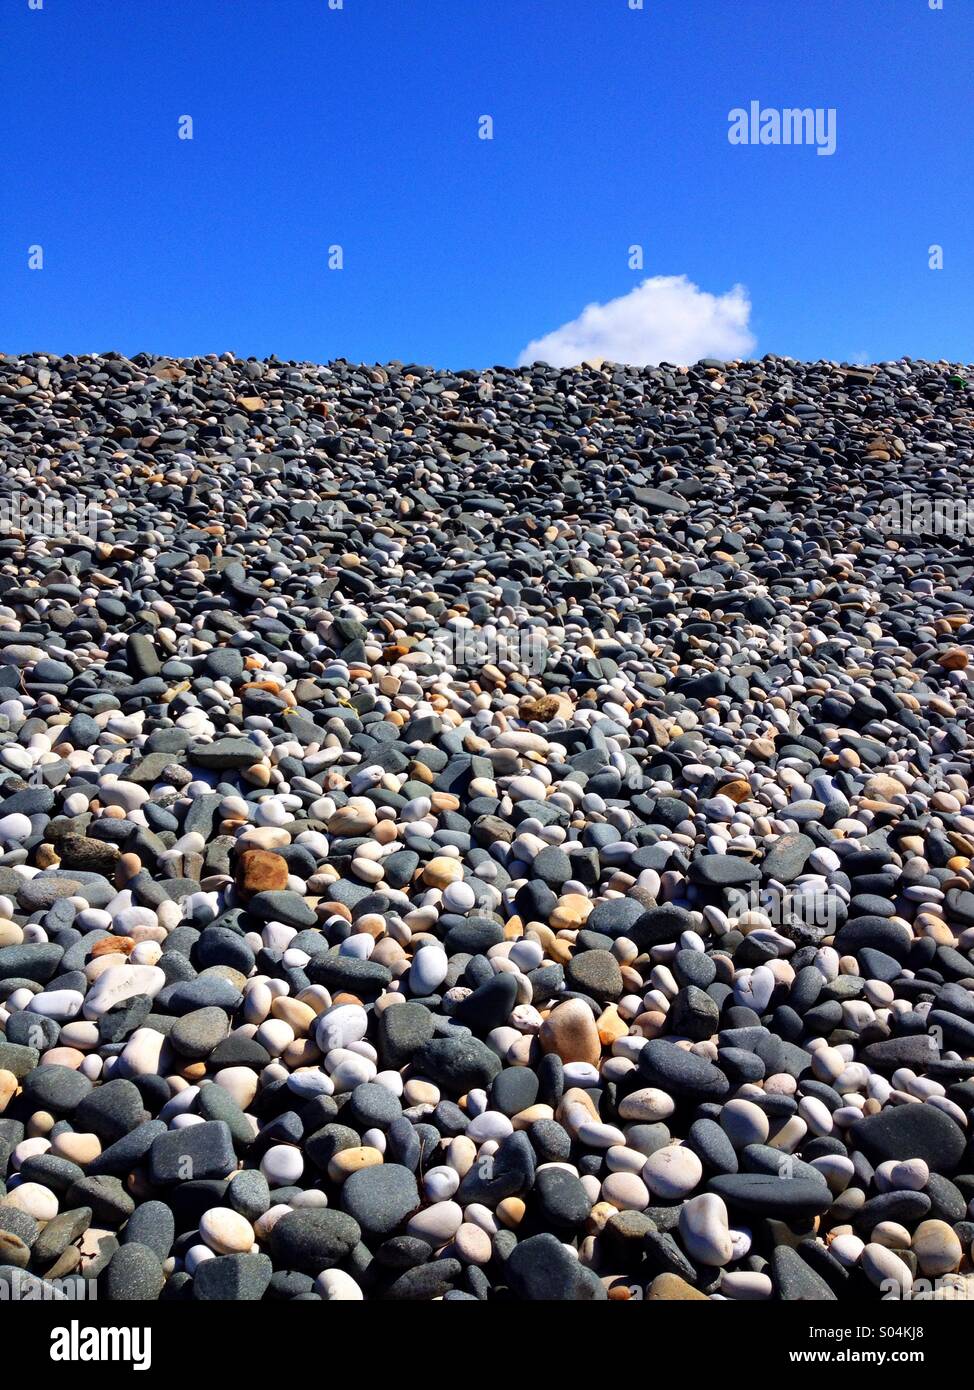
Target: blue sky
[(359, 127)]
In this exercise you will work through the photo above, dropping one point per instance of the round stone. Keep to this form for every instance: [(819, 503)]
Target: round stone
[(226, 1232), (380, 1198), (937, 1248), (672, 1172)]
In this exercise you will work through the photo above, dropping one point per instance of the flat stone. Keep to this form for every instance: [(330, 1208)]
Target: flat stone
[(680, 1073), (183, 1155), (381, 1198), (541, 1269), (313, 1239), (911, 1131), (767, 1194), (196, 1034), (596, 973), (233, 1278), (456, 1064)]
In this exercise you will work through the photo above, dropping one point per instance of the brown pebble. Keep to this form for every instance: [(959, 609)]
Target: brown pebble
[(113, 945), (570, 1031), (261, 871), (671, 1288), (8, 1089), (510, 1211)]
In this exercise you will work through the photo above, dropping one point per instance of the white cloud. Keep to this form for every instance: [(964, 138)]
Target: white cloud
[(666, 318)]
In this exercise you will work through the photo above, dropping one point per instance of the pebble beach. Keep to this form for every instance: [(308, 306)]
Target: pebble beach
[(491, 835)]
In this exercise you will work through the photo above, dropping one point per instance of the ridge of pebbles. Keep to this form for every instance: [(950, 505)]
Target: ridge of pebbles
[(486, 835)]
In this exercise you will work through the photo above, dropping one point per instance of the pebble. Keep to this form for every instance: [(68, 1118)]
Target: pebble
[(479, 808), (381, 1198), (937, 1248), (313, 1238), (885, 1269), (226, 1232), (570, 1033), (430, 967), (626, 1191), (437, 1223), (34, 1199), (672, 1172), (335, 1286)]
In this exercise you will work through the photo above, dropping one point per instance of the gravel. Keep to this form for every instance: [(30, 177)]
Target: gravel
[(486, 834)]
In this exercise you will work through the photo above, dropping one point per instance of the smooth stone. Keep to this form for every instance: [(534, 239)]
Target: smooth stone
[(381, 1198), (314, 1239), (672, 1172), (937, 1248), (705, 1231), (911, 1131), (680, 1073)]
